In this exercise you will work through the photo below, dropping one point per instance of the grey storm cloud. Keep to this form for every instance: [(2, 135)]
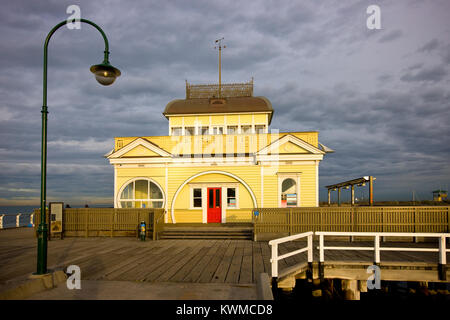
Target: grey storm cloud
[(380, 98)]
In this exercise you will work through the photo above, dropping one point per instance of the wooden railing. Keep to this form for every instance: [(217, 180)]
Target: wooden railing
[(107, 221), (351, 219)]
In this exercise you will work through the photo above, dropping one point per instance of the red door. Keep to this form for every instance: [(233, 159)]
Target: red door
[(214, 205)]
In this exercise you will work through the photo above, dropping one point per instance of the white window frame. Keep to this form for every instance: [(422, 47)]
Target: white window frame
[(234, 126), (207, 130), (261, 124), (288, 175), (247, 125), (119, 199), (172, 131), (191, 198), (185, 130), (217, 128), (236, 196)]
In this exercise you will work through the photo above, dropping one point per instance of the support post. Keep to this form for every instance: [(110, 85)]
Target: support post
[(339, 196), (321, 257), (1, 221), (442, 259), (309, 272), (274, 260), (371, 190), (377, 250), (353, 195), (18, 220), (290, 221), (329, 197), (87, 224)]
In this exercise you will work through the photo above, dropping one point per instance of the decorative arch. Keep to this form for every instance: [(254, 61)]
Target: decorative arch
[(126, 183), (255, 204)]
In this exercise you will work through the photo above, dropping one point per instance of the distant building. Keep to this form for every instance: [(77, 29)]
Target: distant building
[(218, 161), (439, 195)]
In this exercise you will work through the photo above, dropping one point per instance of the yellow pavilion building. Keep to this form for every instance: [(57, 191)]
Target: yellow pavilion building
[(219, 160)]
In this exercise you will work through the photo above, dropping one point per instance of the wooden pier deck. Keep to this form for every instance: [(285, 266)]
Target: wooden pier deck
[(189, 261)]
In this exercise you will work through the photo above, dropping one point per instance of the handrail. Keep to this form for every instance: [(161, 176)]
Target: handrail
[(275, 257), (377, 248), (16, 221)]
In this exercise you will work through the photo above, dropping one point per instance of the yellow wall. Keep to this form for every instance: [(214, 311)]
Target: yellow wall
[(250, 174)]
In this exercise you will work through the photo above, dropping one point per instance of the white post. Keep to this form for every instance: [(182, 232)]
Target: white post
[(321, 249), (377, 249), (1, 221), (31, 219), (310, 248), (442, 251), (18, 220), (274, 260)]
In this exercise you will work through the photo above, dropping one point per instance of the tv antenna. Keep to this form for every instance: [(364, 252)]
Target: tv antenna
[(219, 46)]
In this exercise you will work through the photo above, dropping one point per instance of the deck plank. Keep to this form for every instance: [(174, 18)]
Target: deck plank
[(212, 266), (224, 265), (196, 272), (258, 262)]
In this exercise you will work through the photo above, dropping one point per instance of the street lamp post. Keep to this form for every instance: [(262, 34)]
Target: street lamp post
[(105, 74)]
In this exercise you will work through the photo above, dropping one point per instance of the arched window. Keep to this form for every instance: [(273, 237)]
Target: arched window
[(289, 193), (141, 193)]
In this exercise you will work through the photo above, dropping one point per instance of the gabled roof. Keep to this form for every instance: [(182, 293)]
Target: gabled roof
[(289, 138), (136, 143)]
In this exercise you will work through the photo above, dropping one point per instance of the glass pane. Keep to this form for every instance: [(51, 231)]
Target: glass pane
[(231, 192), (141, 189), (232, 130), (176, 131), (155, 192), (146, 204), (246, 129), (127, 193), (156, 204), (231, 202), (189, 131), (291, 199), (217, 198), (211, 198), (197, 193), (126, 204), (288, 186), (197, 202), (260, 128), (204, 130)]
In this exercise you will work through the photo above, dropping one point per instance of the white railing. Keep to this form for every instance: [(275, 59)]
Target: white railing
[(377, 248), (16, 220), (442, 250), (275, 257)]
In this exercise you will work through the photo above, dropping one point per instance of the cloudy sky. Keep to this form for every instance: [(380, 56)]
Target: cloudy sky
[(380, 98)]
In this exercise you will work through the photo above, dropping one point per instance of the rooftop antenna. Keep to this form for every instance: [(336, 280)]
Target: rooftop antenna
[(219, 45)]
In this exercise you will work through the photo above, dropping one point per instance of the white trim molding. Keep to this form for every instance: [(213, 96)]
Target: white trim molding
[(139, 142)]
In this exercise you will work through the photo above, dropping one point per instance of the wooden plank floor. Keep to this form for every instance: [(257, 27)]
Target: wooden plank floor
[(202, 261)]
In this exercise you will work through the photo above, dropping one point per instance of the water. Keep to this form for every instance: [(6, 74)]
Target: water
[(390, 291), (10, 212), (7, 210)]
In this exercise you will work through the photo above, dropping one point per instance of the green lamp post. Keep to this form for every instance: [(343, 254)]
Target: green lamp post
[(105, 74)]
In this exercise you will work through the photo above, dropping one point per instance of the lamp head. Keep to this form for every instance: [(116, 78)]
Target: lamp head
[(105, 73)]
